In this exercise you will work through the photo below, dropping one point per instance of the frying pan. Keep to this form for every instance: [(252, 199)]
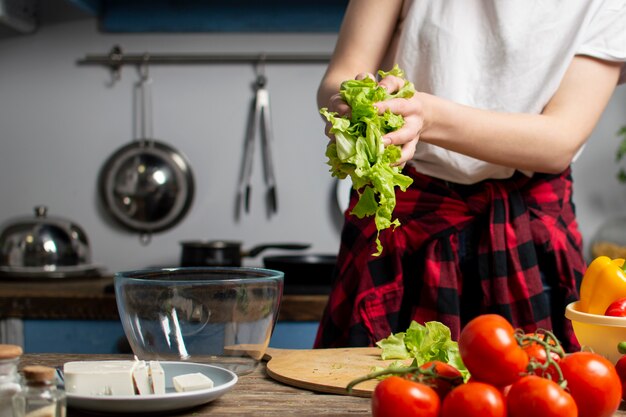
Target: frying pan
[(307, 273), (225, 252), (146, 185)]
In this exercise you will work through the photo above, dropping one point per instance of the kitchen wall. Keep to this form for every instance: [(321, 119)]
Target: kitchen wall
[(60, 121)]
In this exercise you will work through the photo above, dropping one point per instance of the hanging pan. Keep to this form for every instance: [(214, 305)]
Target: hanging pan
[(147, 186)]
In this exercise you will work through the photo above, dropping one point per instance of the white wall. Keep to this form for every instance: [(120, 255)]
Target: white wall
[(59, 122), (598, 195)]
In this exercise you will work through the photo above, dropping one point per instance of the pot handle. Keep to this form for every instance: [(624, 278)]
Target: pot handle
[(288, 246)]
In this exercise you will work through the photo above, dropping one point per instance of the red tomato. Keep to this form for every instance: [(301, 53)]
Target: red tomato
[(617, 308), (443, 386), (620, 368), (536, 396), (538, 353), (490, 351), (396, 396), (593, 382), (474, 399)]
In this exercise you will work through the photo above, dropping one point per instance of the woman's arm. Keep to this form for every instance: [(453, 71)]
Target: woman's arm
[(546, 142), (364, 38)]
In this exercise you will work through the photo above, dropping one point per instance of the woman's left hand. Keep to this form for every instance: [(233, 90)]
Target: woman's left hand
[(412, 109)]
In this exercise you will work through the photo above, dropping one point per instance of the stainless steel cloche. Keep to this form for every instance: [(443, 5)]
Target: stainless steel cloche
[(43, 242)]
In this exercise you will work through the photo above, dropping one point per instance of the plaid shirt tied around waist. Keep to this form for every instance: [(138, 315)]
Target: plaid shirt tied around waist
[(510, 247)]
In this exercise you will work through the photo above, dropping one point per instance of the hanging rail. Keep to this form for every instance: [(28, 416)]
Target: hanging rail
[(115, 59)]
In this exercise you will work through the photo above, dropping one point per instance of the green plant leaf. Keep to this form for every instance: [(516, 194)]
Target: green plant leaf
[(424, 343)]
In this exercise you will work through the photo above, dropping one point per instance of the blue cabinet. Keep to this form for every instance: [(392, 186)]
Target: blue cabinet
[(294, 334), (103, 336), (216, 15), (72, 336)]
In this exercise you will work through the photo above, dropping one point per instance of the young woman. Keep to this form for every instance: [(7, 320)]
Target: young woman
[(508, 91)]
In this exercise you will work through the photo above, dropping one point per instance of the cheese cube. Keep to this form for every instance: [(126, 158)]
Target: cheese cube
[(141, 377), (157, 377), (100, 377), (192, 382)]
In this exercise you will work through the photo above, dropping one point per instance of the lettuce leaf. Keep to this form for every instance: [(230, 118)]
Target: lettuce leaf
[(358, 151), (424, 343)]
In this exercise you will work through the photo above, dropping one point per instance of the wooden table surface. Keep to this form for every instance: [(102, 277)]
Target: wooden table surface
[(255, 394)]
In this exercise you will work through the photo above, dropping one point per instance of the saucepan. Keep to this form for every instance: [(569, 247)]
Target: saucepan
[(146, 185), (226, 252)]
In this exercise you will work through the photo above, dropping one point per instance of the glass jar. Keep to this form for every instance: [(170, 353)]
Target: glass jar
[(39, 395), (9, 378), (610, 239)]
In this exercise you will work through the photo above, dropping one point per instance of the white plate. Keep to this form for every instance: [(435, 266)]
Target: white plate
[(223, 379)]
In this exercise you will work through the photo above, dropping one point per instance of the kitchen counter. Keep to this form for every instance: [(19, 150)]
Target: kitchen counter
[(93, 299), (254, 394)]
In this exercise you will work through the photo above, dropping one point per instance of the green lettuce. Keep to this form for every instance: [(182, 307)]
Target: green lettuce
[(358, 151), (424, 343)]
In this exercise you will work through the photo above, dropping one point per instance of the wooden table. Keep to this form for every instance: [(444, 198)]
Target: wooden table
[(254, 394)]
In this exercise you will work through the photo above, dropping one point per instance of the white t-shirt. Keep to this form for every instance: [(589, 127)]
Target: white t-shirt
[(502, 55)]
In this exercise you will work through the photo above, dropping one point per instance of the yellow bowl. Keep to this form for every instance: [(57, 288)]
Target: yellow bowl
[(598, 332)]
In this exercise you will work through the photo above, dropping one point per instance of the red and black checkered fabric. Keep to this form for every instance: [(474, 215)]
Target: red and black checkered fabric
[(522, 236)]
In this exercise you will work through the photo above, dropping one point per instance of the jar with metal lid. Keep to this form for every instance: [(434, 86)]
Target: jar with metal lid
[(40, 395), (9, 378), (610, 239)]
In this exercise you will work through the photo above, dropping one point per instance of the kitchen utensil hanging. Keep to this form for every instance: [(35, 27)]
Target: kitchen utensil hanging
[(147, 185), (259, 121)]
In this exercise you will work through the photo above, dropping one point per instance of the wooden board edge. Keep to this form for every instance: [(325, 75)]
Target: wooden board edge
[(312, 386)]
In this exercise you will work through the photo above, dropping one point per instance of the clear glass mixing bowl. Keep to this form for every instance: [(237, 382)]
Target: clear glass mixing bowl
[(218, 315)]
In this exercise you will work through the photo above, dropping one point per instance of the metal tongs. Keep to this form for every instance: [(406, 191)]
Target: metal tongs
[(259, 121)]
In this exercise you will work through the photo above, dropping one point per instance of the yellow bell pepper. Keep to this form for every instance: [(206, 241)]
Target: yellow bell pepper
[(603, 282)]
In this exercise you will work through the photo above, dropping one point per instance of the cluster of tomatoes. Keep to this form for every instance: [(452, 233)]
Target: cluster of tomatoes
[(512, 375)]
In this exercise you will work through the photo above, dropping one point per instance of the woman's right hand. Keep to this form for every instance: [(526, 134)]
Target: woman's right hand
[(412, 110), (337, 104)]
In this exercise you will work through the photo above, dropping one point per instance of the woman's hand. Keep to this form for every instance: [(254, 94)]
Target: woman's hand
[(411, 109), (338, 105)]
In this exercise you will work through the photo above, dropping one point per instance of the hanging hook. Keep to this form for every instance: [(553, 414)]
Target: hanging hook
[(115, 64), (259, 69), (142, 68), (144, 102), (260, 64)]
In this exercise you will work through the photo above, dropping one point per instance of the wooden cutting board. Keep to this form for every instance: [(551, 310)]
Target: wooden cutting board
[(325, 370)]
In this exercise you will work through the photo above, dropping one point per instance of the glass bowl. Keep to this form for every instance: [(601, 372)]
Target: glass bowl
[(218, 315)]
